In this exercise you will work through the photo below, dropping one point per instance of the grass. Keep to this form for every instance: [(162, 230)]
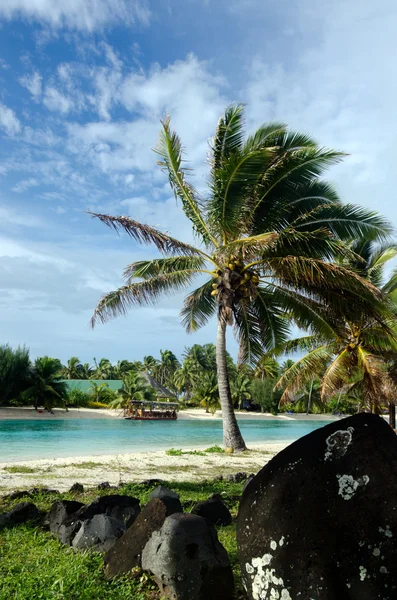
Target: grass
[(35, 566), (174, 452), (85, 465), (19, 469)]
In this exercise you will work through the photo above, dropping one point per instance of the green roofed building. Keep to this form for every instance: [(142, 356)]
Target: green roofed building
[(85, 384)]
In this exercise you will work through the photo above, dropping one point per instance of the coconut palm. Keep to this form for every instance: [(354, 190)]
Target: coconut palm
[(355, 354), (266, 230), (74, 369), (240, 388), (99, 391), (149, 364), (14, 372), (104, 369), (266, 368), (46, 387), (206, 391), (135, 387), (165, 369)]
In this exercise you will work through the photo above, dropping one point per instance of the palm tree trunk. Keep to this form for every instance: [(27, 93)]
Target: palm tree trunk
[(392, 415), (232, 437), (310, 396)]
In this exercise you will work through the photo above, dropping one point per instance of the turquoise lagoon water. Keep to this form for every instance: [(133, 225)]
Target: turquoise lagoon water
[(25, 440)]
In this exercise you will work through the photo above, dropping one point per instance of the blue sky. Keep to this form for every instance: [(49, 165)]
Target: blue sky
[(83, 85)]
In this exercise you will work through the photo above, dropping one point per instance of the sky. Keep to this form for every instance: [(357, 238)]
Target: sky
[(83, 86)]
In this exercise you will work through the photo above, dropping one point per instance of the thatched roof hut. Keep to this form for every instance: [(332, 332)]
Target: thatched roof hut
[(161, 391)]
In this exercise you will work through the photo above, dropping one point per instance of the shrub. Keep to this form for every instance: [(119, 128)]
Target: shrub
[(92, 404), (77, 397)]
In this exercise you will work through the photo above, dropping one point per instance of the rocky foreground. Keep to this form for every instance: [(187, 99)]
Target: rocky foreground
[(318, 521)]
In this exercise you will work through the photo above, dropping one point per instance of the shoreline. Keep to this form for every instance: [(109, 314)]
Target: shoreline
[(91, 469), (193, 465), (28, 413)]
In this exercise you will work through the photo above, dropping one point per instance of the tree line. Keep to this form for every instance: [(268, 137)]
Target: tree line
[(192, 379)]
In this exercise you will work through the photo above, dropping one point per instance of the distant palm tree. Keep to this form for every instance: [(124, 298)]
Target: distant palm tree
[(206, 391), (165, 369), (356, 351), (266, 368), (104, 369), (99, 391), (240, 388), (267, 228), (135, 387), (74, 369), (149, 364), (46, 387)]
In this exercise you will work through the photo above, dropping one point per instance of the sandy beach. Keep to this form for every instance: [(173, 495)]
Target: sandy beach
[(61, 473), (24, 413)]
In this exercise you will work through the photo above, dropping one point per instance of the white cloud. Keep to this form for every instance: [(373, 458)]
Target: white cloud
[(32, 83), (25, 184), (56, 101), (11, 216), (9, 121), (83, 15)]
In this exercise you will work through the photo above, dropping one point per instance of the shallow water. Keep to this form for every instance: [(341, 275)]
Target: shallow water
[(25, 440)]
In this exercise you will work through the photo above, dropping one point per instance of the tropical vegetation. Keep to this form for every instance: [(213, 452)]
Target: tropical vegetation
[(272, 242)]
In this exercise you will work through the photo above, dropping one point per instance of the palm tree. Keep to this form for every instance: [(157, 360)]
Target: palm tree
[(183, 381), (14, 372), (46, 387), (104, 369), (149, 364), (165, 369), (135, 387), (267, 228), (99, 391), (356, 351), (74, 369), (266, 368), (240, 388), (123, 367), (206, 391)]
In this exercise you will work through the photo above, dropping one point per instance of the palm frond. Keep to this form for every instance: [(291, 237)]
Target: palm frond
[(296, 167), (230, 185), (170, 149), (139, 294), (337, 373), (162, 266), (259, 326), (305, 312), (145, 234), (267, 135), (229, 134), (302, 344), (303, 370), (308, 273), (199, 307), (348, 221)]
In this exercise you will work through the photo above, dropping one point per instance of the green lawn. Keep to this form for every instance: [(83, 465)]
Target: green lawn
[(34, 565)]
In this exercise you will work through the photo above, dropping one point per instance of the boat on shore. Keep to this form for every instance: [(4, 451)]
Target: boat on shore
[(151, 411)]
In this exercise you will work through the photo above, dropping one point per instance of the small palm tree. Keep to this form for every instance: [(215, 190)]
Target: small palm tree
[(355, 354), (240, 388), (104, 369), (206, 392), (99, 391), (266, 368), (135, 387), (149, 364), (266, 230), (46, 387)]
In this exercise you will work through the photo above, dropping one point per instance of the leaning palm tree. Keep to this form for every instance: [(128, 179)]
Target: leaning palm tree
[(266, 230), (355, 354)]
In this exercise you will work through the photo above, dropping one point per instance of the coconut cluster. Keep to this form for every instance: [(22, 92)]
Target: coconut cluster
[(237, 279)]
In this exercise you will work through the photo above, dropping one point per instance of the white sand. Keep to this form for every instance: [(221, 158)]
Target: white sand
[(61, 473), (91, 413)]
